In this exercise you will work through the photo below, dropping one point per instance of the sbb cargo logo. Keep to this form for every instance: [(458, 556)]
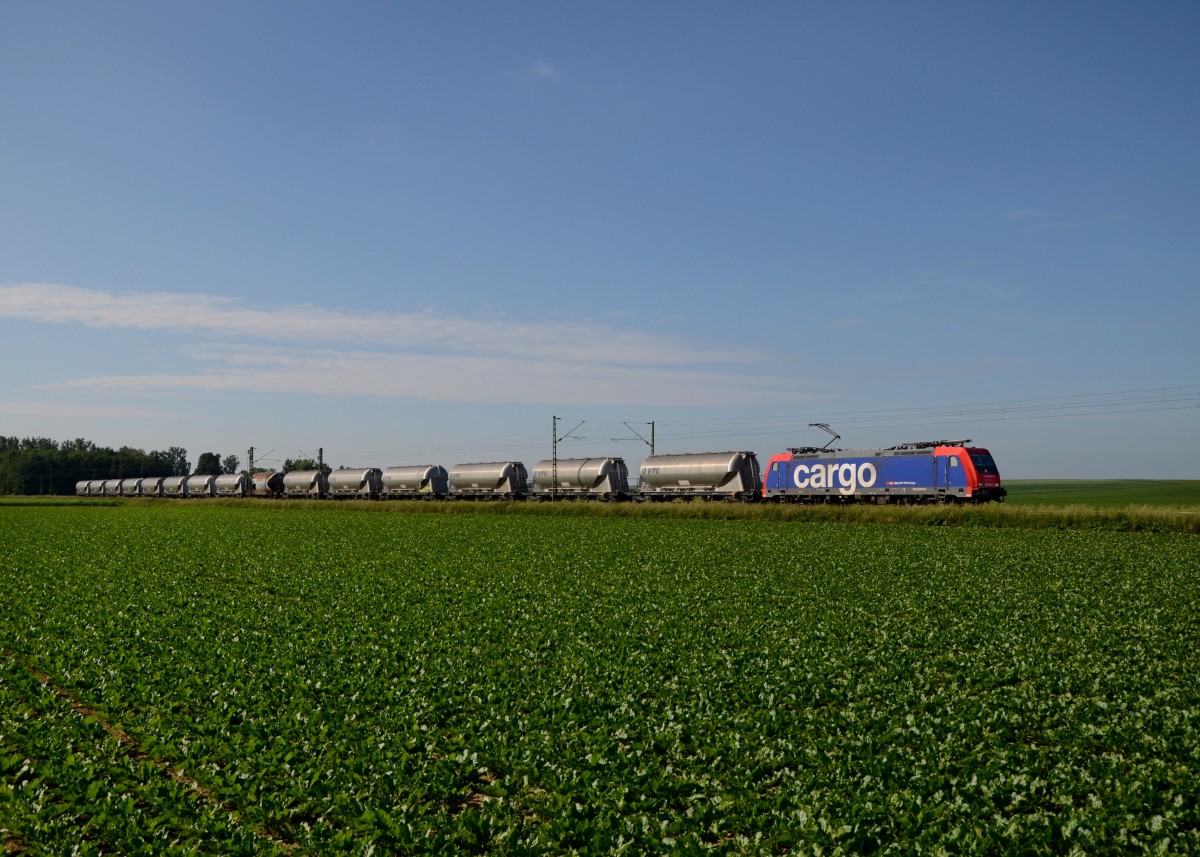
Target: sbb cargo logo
[(847, 477)]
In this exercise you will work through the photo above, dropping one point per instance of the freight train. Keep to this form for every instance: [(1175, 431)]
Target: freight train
[(944, 471)]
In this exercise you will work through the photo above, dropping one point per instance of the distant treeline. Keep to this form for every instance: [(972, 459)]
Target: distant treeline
[(38, 465)]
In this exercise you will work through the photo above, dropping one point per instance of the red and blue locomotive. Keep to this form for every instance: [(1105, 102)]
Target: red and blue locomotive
[(943, 471)]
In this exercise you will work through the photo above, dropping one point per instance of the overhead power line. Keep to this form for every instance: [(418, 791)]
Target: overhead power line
[(1168, 398), (752, 424)]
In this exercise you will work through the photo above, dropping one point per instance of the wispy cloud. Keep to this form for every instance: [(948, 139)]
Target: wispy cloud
[(1042, 219), (420, 356), (924, 284), (230, 317), (331, 372), (538, 70), (75, 410)]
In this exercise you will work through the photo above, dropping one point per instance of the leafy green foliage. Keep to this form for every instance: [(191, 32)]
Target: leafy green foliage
[(524, 683), (208, 464), (76, 789), (290, 464), (38, 465)]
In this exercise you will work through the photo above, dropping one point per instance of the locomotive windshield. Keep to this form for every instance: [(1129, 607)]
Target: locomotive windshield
[(984, 465)]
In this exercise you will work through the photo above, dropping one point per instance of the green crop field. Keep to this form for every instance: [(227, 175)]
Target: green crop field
[(279, 679), (1104, 492)]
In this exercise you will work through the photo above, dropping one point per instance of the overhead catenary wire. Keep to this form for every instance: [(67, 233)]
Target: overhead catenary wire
[(683, 431), (1099, 404)]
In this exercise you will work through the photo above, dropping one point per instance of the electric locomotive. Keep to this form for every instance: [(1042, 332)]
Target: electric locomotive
[(942, 471)]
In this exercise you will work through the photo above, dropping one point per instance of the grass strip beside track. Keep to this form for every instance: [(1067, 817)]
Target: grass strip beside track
[(1145, 519)]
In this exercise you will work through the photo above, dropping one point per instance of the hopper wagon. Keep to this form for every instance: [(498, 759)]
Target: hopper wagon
[(491, 480), (415, 481), (266, 484), (230, 485), (355, 483), (602, 478), (152, 486), (200, 485), (175, 486), (311, 484), (701, 475)]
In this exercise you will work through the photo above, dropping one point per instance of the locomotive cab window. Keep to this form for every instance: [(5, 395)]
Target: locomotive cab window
[(984, 464)]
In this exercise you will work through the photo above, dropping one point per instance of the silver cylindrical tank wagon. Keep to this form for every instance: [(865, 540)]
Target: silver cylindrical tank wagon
[(230, 485), (81, 488), (201, 486), (505, 480), (415, 481), (355, 483), (723, 475), (152, 486), (111, 487), (267, 484), (581, 477), (175, 486), (311, 484), (131, 487)]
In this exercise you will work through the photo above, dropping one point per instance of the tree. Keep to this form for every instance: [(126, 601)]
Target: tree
[(303, 464), (209, 464), (229, 464), (40, 465), (180, 466)]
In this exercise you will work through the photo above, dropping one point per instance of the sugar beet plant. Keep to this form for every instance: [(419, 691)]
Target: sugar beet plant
[(246, 680)]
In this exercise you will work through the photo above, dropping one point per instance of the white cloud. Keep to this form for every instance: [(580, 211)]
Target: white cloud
[(543, 70), (73, 410), (304, 323), (427, 377), (538, 70), (421, 356)]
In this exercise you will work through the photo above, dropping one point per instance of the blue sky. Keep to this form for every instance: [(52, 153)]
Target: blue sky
[(413, 233)]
